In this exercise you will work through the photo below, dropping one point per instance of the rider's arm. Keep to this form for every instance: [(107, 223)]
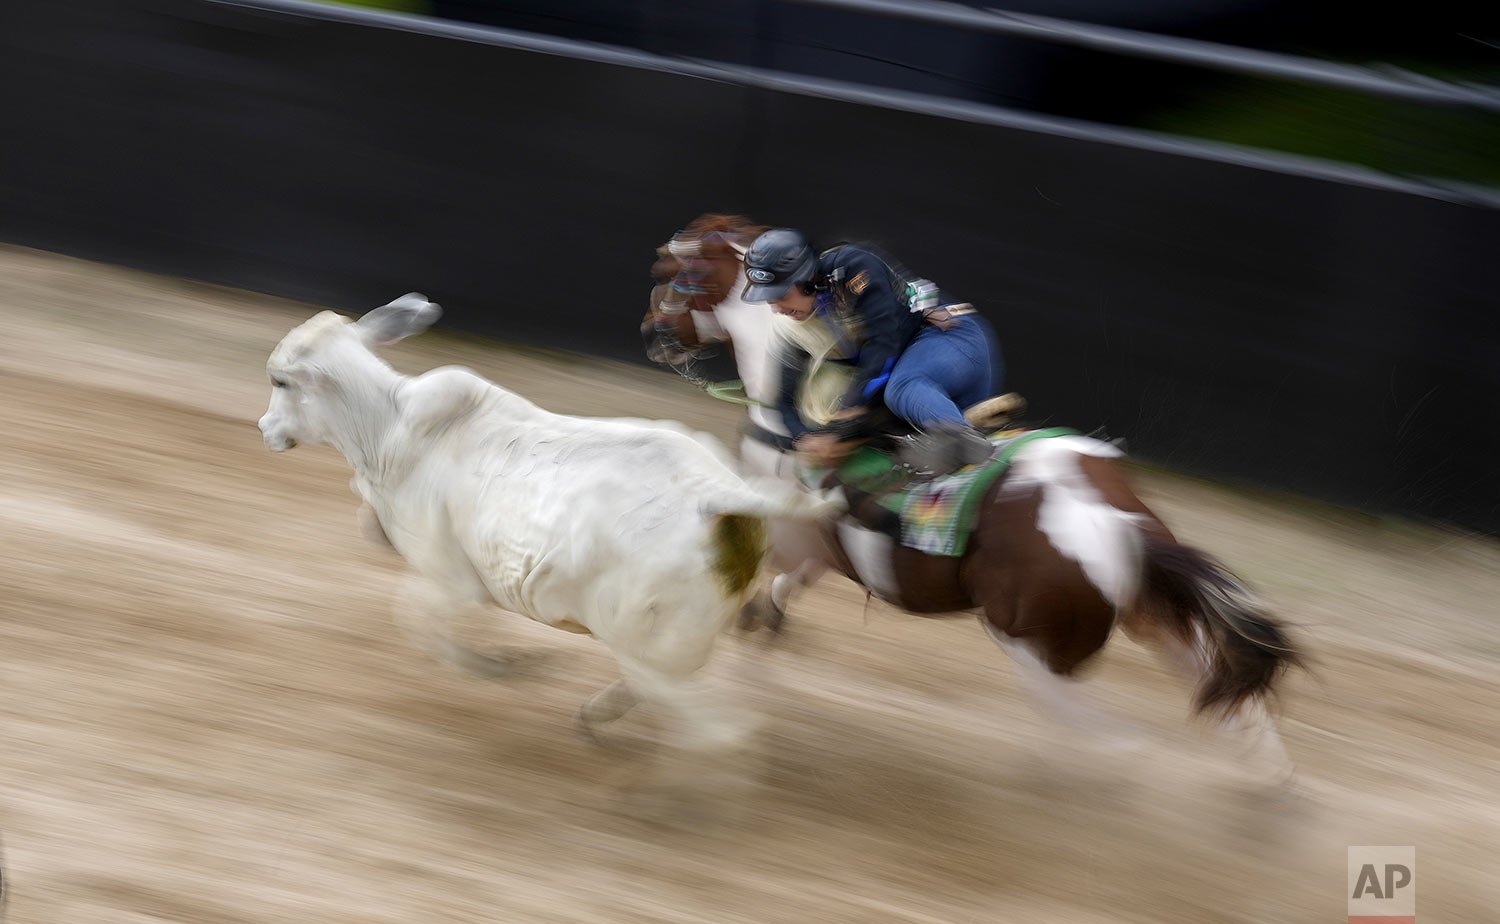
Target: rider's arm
[(791, 363), (884, 323)]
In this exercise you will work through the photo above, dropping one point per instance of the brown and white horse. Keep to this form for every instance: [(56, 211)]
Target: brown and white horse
[(1062, 552)]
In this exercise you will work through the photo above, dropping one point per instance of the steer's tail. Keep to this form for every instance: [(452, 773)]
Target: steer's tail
[(739, 546)]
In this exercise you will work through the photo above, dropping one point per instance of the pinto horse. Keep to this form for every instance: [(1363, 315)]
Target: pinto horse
[(1062, 550)]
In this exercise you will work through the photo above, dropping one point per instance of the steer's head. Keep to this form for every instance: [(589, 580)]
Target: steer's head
[(329, 355)]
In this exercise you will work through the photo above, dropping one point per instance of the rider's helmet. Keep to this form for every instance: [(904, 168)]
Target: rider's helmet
[(779, 259)]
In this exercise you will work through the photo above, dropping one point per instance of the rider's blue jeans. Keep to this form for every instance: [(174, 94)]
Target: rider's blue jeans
[(944, 371)]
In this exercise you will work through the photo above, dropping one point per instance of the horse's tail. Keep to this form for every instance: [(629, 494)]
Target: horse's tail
[(1243, 649)]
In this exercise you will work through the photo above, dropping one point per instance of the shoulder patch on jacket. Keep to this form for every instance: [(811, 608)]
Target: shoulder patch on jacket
[(859, 283)]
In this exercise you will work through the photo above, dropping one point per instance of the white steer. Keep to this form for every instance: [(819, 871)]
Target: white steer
[(632, 531)]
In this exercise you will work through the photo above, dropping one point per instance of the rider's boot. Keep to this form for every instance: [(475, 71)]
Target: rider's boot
[(994, 413), (943, 448)]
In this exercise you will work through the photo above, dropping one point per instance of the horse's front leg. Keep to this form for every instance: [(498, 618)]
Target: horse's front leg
[(799, 551), (798, 555)]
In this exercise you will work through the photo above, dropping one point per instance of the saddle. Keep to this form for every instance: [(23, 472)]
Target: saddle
[(943, 450)]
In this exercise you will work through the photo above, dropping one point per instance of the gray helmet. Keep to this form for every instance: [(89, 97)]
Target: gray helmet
[(779, 259)]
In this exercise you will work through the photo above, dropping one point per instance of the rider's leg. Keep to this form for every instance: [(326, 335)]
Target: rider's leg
[(939, 374), (942, 372)]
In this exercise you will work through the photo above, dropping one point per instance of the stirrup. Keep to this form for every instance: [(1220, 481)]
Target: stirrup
[(942, 450), (994, 413)]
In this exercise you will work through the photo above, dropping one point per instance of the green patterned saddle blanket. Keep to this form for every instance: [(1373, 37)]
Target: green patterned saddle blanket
[(936, 515)]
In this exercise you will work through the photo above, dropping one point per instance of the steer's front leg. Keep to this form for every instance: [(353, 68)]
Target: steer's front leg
[(368, 519), (370, 528), (425, 614)]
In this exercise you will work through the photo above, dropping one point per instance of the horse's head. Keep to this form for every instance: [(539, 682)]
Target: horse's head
[(694, 271), (708, 255), (666, 266)]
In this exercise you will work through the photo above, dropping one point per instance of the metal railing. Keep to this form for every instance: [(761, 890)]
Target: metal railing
[(886, 98), (1384, 81)]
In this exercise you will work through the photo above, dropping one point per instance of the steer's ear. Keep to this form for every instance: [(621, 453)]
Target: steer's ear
[(410, 314)]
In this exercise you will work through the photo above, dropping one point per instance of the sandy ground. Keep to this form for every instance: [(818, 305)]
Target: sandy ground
[(208, 716)]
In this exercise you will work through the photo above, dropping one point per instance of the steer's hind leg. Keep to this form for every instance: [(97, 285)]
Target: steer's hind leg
[(703, 762), (606, 706)]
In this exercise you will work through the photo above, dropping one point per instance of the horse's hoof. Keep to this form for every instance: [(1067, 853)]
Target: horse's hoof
[(748, 620), (1282, 792), (776, 619), (1123, 745)]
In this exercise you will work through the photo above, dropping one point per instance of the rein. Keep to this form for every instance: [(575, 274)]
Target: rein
[(733, 391), (730, 390)]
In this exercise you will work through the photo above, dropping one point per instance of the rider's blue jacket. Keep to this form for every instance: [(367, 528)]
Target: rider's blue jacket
[(882, 310)]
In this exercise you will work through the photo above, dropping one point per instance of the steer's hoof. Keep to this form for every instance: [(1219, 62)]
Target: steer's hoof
[(370, 528), (760, 610)]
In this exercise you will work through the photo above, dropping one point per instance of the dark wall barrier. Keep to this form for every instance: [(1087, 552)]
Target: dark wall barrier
[(1330, 338)]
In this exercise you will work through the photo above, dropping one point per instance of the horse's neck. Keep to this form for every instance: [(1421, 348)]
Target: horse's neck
[(749, 328)]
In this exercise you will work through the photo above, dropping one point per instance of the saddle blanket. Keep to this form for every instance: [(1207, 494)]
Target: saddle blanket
[(937, 516)]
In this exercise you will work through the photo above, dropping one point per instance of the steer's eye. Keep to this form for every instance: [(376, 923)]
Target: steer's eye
[(278, 383)]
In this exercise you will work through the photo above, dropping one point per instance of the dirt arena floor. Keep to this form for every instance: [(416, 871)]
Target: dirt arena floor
[(207, 715)]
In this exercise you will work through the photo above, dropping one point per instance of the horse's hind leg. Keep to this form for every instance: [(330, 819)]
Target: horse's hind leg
[(1251, 723), (768, 606), (1044, 664), (1264, 751), (1058, 696)]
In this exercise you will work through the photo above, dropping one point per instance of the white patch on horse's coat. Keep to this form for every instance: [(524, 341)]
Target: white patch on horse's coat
[(1058, 695), (707, 327), (748, 326), (1063, 697), (781, 590), (1077, 520), (1264, 752), (870, 553)]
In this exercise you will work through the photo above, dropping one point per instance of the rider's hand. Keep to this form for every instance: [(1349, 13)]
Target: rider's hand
[(821, 449)]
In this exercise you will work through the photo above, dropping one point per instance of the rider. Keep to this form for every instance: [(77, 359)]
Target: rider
[(927, 357)]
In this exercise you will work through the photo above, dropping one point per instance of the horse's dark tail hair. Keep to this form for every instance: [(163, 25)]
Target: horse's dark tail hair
[(1244, 649)]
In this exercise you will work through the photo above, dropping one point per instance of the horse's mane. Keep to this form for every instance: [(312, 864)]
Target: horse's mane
[(706, 273), (726, 224), (714, 232)]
